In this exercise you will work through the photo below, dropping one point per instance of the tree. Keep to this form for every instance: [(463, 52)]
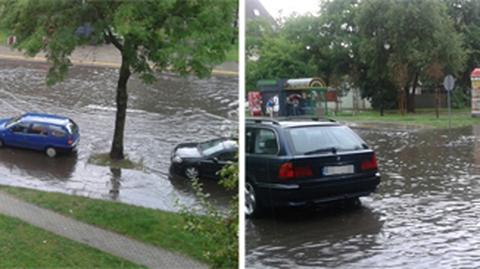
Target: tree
[(466, 17), (279, 58), (257, 32), (418, 33), (184, 36)]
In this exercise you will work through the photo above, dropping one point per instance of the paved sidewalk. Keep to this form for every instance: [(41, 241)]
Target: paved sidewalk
[(103, 240), (105, 55)]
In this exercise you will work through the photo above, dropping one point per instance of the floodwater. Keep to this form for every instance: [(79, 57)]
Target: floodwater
[(425, 213), (159, 116)]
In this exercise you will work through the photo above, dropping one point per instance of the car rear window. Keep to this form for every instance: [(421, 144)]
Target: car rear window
[(321, 139), (214, 146)]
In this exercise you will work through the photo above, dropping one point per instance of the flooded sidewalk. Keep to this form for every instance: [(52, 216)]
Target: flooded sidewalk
[(424, 214), (171, 111)]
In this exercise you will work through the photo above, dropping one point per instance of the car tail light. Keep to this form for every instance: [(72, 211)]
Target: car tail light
[(370, 164), (288, 171), (70, 141)]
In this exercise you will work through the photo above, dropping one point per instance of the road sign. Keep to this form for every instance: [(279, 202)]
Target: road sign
[(449, 83)]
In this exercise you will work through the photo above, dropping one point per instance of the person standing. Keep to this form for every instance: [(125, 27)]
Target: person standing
[(269, 107), (276, 105)]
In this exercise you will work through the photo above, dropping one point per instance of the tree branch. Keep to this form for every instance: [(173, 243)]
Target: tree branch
[(114, 40)]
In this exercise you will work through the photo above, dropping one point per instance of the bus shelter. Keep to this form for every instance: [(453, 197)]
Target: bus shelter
[(295, 97)]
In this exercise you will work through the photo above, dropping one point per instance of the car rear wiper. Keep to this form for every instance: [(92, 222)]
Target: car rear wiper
[(330, 149)]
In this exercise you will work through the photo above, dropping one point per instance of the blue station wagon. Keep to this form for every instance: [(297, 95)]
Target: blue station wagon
[(43, 132)]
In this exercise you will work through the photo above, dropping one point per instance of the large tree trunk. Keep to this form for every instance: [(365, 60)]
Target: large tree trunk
[(411, 96), (116, 152), (402, 103)]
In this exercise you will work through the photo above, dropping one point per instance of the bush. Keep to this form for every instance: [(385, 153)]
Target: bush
[(219, 227), (459, 98)]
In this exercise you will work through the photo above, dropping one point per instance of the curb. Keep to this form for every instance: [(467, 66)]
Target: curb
[(99, 64)]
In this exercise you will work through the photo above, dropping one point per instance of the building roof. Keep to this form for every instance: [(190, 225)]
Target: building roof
[(255, 10)]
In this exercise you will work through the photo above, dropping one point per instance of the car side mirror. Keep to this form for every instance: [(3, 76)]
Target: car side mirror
[(215, 159)]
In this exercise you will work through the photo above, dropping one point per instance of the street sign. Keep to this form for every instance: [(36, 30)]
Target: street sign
[(449, 83)]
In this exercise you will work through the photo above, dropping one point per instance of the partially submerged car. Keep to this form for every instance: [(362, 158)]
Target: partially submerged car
[(204, 159), (294, 162), (43, 132)]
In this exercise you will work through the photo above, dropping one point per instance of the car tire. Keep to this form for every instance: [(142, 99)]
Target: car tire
[(353, 202), (2, 144), (253, 208), (51, 152), (191, 173)]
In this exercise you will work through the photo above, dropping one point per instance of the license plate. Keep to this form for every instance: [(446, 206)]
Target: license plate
[(338, 170)]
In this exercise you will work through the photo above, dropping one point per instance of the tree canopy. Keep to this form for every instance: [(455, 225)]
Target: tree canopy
[(185, 36), (383, 47)]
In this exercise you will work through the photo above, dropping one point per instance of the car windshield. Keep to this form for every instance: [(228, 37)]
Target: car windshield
[(324, 139), (214, 146), (13, 121), (72, 127)]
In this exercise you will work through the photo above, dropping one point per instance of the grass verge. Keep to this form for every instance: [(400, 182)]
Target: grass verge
[(232, 54), (3, 36), (423, 117), (103, 159), (25, 246), (159, 228)]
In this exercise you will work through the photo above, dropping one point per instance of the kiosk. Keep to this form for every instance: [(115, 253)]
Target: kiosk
[(296, 97), (475, 78)]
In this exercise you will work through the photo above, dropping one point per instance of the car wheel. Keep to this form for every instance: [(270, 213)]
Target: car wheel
[(252, 206), (191, 173), (353, 202), (51, 152), (1, 143)]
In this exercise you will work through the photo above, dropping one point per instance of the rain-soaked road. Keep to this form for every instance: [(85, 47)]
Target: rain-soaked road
[(425, 213), (171, 111)]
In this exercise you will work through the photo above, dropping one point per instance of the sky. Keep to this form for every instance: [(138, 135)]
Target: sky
[(289, 6)]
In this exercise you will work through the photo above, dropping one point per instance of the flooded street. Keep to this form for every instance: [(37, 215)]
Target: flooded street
[(424, 214), (171, 111)]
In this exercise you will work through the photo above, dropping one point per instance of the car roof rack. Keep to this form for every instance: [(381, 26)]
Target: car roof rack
[(277, 120), (262, 120), (303, 117)]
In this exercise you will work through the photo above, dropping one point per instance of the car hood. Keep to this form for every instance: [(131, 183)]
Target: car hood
[(189, 150)]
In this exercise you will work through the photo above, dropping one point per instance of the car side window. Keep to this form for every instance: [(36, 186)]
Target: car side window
[(19, 128), (57, 131), (265, 142), (37, 129), (227, 156)]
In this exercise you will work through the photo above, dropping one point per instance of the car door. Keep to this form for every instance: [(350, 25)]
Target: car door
[(211, 166), (261, 147), (16, 135), (37, 136)]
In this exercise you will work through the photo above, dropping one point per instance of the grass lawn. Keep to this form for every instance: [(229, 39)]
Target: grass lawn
[(3, 36), (103, 159), (163, 229), (25, 246), (232, 54), (423, 117)]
